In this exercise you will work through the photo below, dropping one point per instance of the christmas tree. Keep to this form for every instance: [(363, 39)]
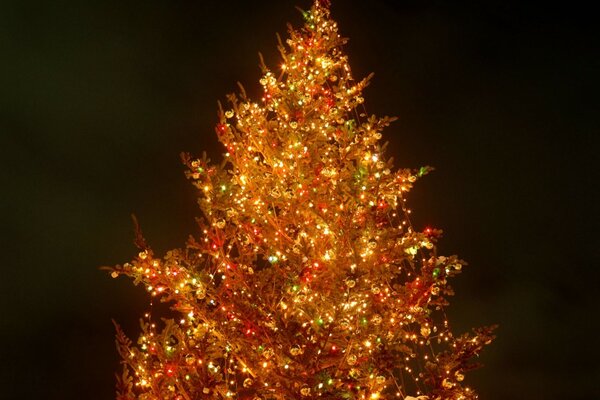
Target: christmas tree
[(307, 279)]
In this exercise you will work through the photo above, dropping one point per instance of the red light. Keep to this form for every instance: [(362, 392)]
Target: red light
[(170, 370)]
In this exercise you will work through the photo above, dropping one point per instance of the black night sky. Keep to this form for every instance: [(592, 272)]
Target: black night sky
[(98, 98)]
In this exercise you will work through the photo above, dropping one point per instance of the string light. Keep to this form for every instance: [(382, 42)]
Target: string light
[(308, 279)]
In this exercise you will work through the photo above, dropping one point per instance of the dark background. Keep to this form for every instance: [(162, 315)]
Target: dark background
[(99, 97)]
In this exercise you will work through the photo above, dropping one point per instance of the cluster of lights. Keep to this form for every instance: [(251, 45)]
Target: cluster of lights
[(308, 279)]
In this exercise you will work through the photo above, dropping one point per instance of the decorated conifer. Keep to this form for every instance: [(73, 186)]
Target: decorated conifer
[(307, 279)]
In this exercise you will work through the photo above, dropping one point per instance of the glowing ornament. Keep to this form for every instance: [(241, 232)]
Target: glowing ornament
[(190, 359), (447, 384), (276, 193), (288, 193), (268, 353), (411, 250), (425, 330), (305, 391), (296, 350)]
